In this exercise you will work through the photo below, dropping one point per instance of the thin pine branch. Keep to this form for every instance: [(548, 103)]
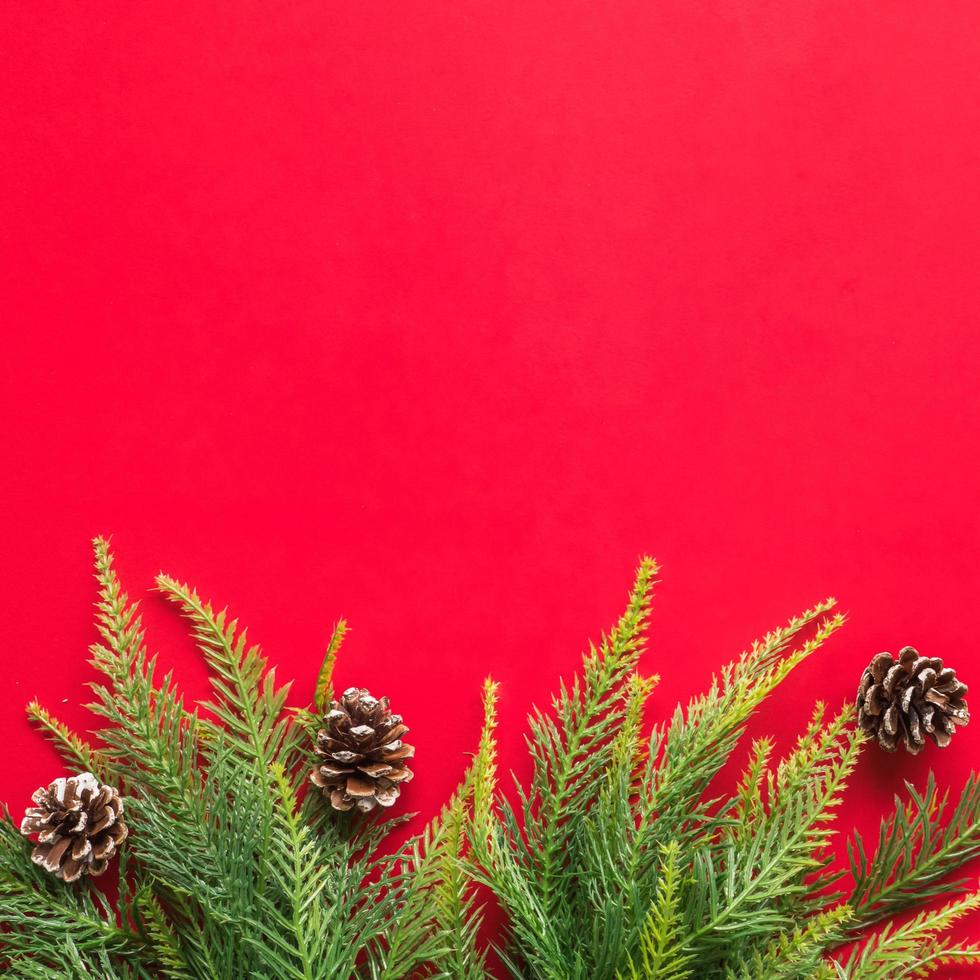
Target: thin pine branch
[(917, 849), (916, 948)]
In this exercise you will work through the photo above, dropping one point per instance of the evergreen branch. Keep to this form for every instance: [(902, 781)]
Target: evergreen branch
[(441, 919), (39, 916), (796, 954), (570, 751), (117, 619), (161, 936), (748, 807), (662, 953), (151, 741), (603, 848), (495, 864), (457, 916), (764, 870), (324, 679), (916, 948), (915, 852), (484, 769), (697, 745), (291, 932), (75, 963), (247, 701), (75, 751)]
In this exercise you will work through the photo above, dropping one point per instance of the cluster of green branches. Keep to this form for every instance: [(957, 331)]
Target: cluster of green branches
[(229, 870), (617, 860)]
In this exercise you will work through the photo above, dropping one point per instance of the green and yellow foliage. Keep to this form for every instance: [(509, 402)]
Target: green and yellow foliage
[(619, 859)]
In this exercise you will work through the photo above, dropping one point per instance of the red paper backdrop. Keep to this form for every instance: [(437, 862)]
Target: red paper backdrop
[(437, 315)]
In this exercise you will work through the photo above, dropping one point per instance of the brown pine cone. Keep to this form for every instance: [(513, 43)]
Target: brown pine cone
[(910, 698), (79, 825), (362, 755)]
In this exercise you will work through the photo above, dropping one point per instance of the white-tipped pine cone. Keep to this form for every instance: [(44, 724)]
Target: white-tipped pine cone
[(909, 699), (79, 826), (362, 758)]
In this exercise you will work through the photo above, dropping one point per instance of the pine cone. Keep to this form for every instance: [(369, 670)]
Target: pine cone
[(909, 699), (362, 756), (79, 825)]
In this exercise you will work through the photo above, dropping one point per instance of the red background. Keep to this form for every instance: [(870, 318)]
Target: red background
[(437, 315)]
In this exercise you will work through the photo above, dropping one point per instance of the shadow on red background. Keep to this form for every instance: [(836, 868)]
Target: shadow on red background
[(437, 316)]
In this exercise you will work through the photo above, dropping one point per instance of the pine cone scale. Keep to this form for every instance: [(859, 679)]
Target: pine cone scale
[(359, 787), (376, 769), (891, 679)]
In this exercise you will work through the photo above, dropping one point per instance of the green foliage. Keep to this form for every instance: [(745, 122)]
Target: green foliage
[(916, 848), (229, 872), (662, 952), (915, 948), (618, 861), (46, 925)]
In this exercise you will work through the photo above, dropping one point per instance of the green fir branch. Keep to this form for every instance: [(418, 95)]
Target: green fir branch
[(917, 849), (915, 948), (662, 947), (247, 702), (75, 751), (324, 680)]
